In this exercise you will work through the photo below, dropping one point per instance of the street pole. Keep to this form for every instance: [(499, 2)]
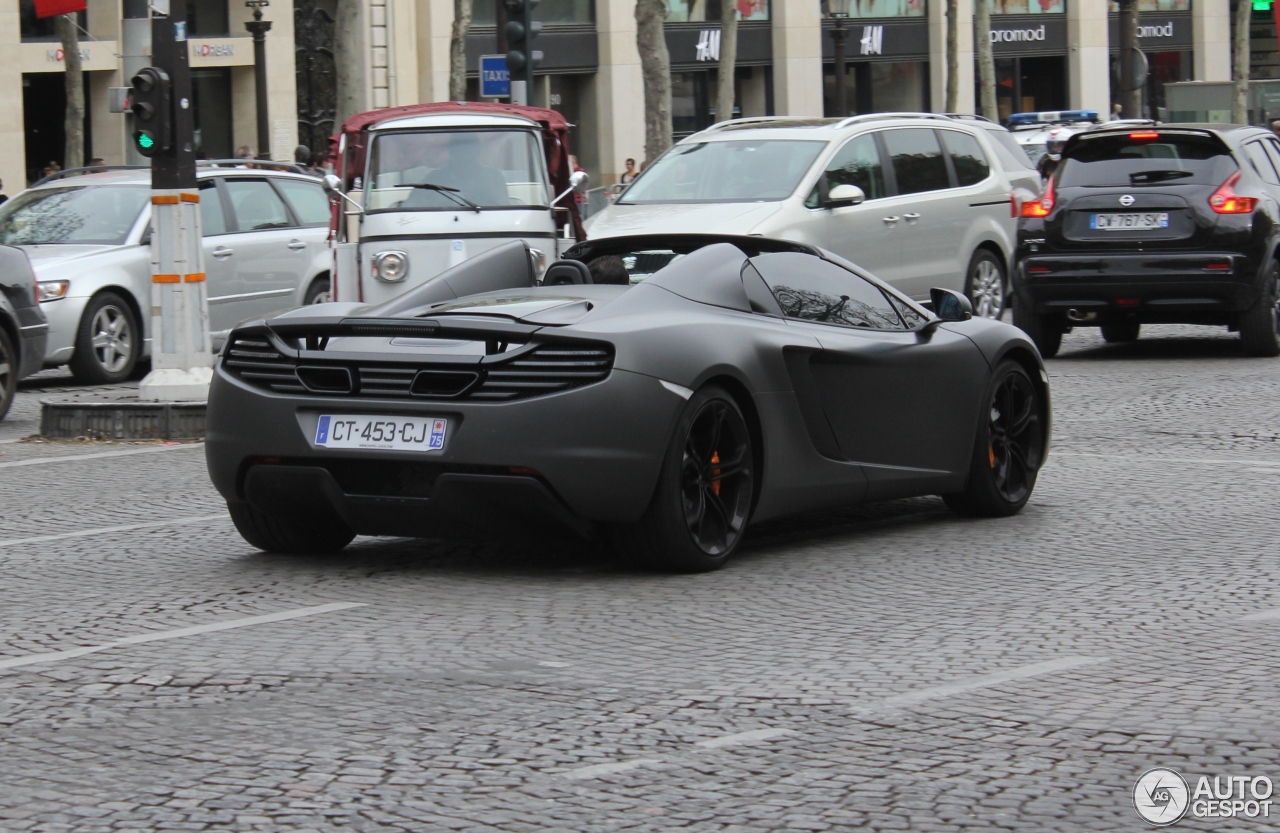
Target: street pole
[(837, 39), (181, 358), (135, 41), (259, 28)]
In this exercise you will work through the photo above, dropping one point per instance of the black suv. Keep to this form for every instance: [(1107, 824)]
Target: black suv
[(1175, 224)]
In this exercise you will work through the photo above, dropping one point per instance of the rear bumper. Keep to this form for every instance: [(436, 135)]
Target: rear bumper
[(1149, 286), (581, 456)]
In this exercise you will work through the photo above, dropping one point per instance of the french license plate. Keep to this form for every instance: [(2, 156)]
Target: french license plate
[(1126, 222), (393, 433)]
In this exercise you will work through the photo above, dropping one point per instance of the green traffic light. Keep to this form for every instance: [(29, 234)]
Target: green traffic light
[(145, 141), (1262, 5)]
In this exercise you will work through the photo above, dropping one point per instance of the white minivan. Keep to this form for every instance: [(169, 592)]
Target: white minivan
[(917, 199)]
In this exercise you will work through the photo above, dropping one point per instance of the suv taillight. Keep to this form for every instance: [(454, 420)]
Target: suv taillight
[(1226, 201), (1041, 207)]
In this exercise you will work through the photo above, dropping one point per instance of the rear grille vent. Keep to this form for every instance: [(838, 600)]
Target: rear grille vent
[(547, 369)]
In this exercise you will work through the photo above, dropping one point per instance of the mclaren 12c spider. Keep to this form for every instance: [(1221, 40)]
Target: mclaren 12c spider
[(733, 379)]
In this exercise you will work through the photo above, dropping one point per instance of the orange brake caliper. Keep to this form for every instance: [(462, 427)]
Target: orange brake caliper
[(715, 484)]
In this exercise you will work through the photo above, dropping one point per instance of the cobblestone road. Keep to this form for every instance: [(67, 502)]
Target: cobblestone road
[(891, 667)]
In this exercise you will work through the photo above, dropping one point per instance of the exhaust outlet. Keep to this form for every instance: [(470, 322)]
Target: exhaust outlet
[(1077, 315)]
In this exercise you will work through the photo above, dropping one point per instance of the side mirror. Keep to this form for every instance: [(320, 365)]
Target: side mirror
[(578, 180), (332, 184), (950, 305), (843, 195)]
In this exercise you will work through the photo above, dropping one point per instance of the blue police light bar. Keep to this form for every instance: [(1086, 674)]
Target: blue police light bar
[(1053, 117)]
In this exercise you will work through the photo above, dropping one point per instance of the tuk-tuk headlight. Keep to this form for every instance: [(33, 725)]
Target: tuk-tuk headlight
[(390, 267)]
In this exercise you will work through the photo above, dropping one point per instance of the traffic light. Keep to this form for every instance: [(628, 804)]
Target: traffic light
[(149, 100), (521, 30)]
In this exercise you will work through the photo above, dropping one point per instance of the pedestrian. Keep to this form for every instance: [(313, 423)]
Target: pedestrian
[(97, 162), (630, 173), (1275, 127), (244, 152), (302, 158), (609, 269), (52, 168)]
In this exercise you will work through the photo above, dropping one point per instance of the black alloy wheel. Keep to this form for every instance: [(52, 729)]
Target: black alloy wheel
[(703, 499), (715, 478), (1009, 448), (8, 373)]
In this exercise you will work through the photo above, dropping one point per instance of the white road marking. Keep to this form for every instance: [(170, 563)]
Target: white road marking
[(1263, 616), (40, 461), (597, 770), (743, 737), (103, 530), (960, 686), (57, 656), (1198, 461)]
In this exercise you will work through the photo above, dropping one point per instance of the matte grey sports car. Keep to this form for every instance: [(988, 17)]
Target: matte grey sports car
[(725, 381)]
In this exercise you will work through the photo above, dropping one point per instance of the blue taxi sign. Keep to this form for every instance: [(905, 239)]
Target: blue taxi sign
[(495, 78)]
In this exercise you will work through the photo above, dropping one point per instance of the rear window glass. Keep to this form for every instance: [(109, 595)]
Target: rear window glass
[(1012, 155), (1171, 159)]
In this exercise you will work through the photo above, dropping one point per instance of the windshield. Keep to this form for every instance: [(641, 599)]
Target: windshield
[(478, 168), (727, 171), (1120, 159), (100, 215)]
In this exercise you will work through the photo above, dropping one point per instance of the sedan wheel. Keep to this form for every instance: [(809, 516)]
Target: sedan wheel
[(8, 373), (319, 292), (1009, 448), (108, 342), (702, 504), (985, 285)]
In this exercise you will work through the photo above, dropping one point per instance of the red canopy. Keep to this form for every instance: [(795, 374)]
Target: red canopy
[(555, 140)]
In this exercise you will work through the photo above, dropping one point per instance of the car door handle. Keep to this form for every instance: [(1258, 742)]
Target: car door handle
[(297, 244), (912, 216), (223, 251), (891, 220)]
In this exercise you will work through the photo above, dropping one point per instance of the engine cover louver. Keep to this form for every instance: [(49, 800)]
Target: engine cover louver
[(549, 368)]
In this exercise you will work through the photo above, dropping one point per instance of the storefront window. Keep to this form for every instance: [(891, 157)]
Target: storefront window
[(699, 11), (1157, 6), (40, 28), (547, 12), (1028, 6), (207, 18), (882, 8)]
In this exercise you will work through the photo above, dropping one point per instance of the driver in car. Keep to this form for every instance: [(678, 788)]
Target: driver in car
[(474, 180)]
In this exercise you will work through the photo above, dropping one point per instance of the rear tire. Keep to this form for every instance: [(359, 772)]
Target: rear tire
[(703, 500), (1044, 330), (290, 535), (8, 373), (1121, 332), (985, 285), (1008, 449), (319, 292), (1260, 323)]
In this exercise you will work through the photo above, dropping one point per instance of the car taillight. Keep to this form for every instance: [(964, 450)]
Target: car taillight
[(1014, 208), (1226, 201), (1041, 207), (1144, 136)]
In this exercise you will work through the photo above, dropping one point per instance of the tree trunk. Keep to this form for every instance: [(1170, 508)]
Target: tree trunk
[(1240, 62), (73, 156), (728, 59), (458, 50), (986, 62), (348, 60), (655, 69), (1130, 92), (953, 57)]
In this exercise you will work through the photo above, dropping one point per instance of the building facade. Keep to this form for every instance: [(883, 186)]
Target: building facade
[(1050, 54)]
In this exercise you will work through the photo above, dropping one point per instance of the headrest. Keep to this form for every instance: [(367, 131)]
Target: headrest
[(566, 272)]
